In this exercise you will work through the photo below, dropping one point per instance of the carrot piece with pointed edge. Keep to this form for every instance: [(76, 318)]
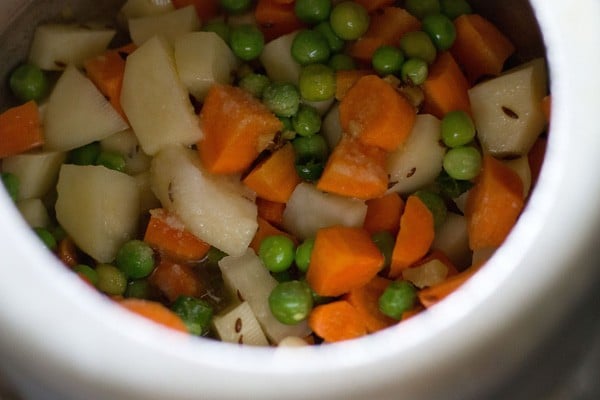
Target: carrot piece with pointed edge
[(535, 157), (167, 233), (412, 312), (67, 252), (342, 259), (154, 311), (480, 48), (547, 107), (434, 294), (355, 170), (276, 18), (237, 127), (415, 236), (264, 230), (337, 321), (493, 204), (270, 211), (346, 78), (375, 113), (383, 213), (366, 301), (206, 9), (175, 279), (20, 129), (275, 178), (446, 88)]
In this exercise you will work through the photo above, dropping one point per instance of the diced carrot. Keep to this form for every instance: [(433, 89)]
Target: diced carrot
[(270, 211), (415, 236), (342, 259), (236, 128), (535, 158), (206, 9), (337, 321), (175, 279), (276, 18), (412, 312), (547, 107), (66, 251), (493, 204), (480, 48), (434, 294), (366, 301), (383, 213), (386, 27), (20, 129), (355, 170), (346, 78), (375, 113), (166, 233), (275, 178), (266, 229), (374, 5), (154, 311), (446, 88)]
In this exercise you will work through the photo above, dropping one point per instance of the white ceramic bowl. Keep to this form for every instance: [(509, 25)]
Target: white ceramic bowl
[(58, 340)]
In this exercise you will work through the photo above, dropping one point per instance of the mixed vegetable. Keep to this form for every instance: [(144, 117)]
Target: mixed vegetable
[(275, 171)]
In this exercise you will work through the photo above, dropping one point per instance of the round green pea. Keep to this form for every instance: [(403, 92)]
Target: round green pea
[(457, 128), (11, 184), (387, 60), (463, 163), (111, 280), (312, 11), (246, 41), (303, 253), (46, 237), (255, 84), (310, 170), (282, 98), (291, 302), (317, 82), (418, 44), (310, 148), (349, 20), (87, 272), (139, 289), (196, 314), (385, 241), (455, 8), (422, 8), (111, 160), (336, 43), (398, 297), (414, 71), (28, 82), (306, 121), (436, 205), (136, 259), (236, 6), (309, 47), (440, 29), (277, 252), (84, 155), (341, 62)]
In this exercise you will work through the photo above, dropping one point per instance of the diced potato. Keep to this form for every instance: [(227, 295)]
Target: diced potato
[(419, 161), (78, 114), (249, 279), (212, 207), (332, 127), (34, 212), (37, 172), (98, 207), (309, 209), (277, 59), (521, 167), (292, 341), (452, 239), (321, 106), (428, 274), (203, 59), (240, 326), (126, 144), (168, 25), (148, 200), (507, 110), (55, 46), (144, 8), (159, 113)]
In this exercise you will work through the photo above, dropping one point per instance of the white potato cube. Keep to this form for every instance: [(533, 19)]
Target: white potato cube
[(521, 167), (452, 239), (427, 274), (419, 160), (144, 8), (148, 200), (78, 114), (507, 110), (332, 127), (155, 101), (240, 325), (34, 212), (55, 46), (98, 207), (168, 25), (309, 209), (277, 59), (37, 172), (126, 144), (203, 59), (211, 207)]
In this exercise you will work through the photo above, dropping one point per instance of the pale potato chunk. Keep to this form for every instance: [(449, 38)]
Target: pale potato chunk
[(212, 207), (277, 59), (507, 110), (203, 59), (55, 46), (427, 274), (126, 144), (34, 212), (37, 172), (452, 239), (419, 160), (309, 210), (160, 113), (78, 114), (148, 200), (240, 325), (98, 207), (332, 127), (168, 25), (144, 8), (521, 167)]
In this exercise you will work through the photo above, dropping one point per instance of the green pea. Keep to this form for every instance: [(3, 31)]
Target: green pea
[(310, 170), (336, 43), (311, 147), (422, 8), (306, 121), (440, 29), (255, 84), (139, 289), (28, 82), (462, 163), (136, 259), (111, 160), (303, 253), (385, 241), (46, 237), (87, 272), (312, 11), (220, 28), (283, 99), (317, 82), (457, 128), (277, 252), (196, 314), (418, 44), (84, 155), (215, 255), (287, 132), (349, 20), (11, 184), (309, 47), (341, 62), (398, 297), (455, 8), (387, 60), (111, 280), (236, 6), (282, 276), (450, 187), (436, 205), (246, 41), (414, 71), (291, 302)]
